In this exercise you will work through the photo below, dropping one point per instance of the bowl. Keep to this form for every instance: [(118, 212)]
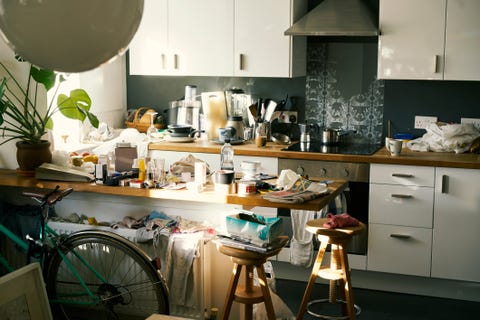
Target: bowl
[(281, 138), (224, 176)]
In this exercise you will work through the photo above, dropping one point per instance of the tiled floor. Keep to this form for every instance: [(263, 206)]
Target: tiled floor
[(378, 305)]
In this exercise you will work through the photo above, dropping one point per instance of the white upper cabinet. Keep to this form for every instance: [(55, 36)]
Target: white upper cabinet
[(411, 42), (462, 40), (149, 48), (219, 38), (184, 37), (429, 39), (261, 48)]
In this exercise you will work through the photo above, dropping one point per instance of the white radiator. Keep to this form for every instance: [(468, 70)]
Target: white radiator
[(201, 267)]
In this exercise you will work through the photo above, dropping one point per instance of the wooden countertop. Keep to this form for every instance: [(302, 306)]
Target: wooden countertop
[(407, 157), (10, 178)]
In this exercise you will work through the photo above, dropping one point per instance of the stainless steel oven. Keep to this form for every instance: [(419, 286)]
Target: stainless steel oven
[(356, 194)]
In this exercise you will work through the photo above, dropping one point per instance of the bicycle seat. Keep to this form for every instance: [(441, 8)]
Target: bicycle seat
[(49, 196)]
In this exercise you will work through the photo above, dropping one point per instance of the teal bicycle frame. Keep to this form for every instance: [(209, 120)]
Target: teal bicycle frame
[(52, 236)]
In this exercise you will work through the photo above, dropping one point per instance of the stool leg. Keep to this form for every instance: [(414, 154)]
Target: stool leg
[(311, 281), (237, 269), (248, 289), (347, 284), (262, 279)]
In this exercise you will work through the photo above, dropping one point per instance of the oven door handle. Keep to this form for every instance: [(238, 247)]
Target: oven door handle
[(401, 196), (400, 236)]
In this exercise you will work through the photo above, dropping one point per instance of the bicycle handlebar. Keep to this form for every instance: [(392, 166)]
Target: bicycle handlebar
[(49, 197)]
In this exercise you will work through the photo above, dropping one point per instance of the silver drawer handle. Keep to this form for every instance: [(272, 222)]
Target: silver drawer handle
[(402, 196), (400, 236), (402, 175)]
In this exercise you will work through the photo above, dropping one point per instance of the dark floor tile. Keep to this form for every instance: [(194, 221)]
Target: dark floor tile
[(379, 305)]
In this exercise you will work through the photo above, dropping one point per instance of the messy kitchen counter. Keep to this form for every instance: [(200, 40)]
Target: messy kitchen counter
[(407, 157)]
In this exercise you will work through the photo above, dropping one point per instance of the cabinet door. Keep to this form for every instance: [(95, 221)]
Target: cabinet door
[(462, 40), (201, 37), (456, 224), (261, 48), (149, 48), (411, 44)]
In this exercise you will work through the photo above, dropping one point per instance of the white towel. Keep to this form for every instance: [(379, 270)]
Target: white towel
[(301, 246)]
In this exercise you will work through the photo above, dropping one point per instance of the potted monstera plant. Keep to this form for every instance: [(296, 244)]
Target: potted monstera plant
[(24, 120)]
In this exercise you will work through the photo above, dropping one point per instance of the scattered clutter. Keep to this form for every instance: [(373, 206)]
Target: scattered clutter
[(295, 189), (442, 137)]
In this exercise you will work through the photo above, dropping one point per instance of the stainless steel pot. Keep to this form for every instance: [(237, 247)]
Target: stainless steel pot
[(330, 136)]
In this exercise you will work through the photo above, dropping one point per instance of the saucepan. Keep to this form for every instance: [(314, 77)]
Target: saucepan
[(333, 137)]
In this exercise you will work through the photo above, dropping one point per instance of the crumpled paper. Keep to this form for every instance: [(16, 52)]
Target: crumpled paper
[(186, 164), (445, 138)]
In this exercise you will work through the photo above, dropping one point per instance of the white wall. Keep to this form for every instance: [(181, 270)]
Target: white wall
[(106, 86)]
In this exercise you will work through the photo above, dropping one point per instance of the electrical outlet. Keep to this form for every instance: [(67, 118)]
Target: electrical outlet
[(421, 122), (475, 121), (288, 117)]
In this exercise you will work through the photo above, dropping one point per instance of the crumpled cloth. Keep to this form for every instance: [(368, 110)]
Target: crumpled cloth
[(445, 138), (340, 221)]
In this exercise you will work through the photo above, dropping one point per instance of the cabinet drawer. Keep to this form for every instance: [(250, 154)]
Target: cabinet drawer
[(401, 205), (404, 175), (398, 249)]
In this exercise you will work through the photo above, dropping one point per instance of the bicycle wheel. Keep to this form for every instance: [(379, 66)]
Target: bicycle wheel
[(131, 287)]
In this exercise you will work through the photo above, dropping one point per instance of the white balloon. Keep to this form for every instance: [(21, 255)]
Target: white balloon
[(69, 35)]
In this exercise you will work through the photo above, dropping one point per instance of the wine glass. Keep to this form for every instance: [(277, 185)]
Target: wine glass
[(152, 130)]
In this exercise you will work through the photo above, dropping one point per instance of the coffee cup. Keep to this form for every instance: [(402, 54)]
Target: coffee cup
[(226, 133), (394, 146)]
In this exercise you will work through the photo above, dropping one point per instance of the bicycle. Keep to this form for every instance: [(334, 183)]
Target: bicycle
[(91, 274)]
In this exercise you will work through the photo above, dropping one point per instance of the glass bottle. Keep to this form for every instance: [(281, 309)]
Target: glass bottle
[(226, 156)]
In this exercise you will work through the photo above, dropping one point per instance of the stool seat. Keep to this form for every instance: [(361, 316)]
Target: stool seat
[(249, 294), (337, 271)]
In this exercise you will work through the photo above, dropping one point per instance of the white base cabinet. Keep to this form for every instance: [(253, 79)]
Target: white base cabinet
[(424, 221), (400, 219), (456, 229)]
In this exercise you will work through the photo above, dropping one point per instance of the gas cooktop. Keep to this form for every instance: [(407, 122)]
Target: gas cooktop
[(351, 148)]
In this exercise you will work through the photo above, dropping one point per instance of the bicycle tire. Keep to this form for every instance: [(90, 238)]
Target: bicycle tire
[(134, 288)]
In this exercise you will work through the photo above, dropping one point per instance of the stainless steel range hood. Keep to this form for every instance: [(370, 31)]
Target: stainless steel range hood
[(336, 18)]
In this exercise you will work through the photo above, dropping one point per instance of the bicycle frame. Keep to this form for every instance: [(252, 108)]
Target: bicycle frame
[(52, 236)]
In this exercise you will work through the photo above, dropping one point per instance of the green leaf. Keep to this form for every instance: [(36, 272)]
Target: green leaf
[(77, 106), (45, 77), (49, 124)]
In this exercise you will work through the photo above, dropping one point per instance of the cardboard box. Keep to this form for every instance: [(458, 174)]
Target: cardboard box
[(256, 233)]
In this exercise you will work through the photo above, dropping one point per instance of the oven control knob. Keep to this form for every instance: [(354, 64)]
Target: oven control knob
[(346, 173), (323, 172), (300, 170)]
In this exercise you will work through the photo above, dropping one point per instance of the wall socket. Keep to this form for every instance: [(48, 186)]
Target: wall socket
[(288, 117), (421, 122), (475, 121)]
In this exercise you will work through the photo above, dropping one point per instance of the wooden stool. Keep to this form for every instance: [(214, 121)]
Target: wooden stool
[(338, 270), (249, 294)]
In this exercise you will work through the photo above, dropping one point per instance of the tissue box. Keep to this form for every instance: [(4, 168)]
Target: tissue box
[(256, 233)]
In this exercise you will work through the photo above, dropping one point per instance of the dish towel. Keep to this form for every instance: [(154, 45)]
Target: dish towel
[(301, 245), (180, 254)]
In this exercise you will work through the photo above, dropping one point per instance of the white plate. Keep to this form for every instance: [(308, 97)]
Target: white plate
[(232, 142), (179, 139)]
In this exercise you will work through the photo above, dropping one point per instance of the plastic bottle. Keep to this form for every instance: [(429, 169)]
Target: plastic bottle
[(226, 156)]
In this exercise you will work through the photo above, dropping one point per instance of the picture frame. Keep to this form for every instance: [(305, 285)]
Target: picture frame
[(23, 295)]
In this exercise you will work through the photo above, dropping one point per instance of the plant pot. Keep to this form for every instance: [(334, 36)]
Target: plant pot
[(30, 156)]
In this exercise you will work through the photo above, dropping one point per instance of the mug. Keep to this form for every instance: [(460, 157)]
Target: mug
[(394, 146), (226, 133)]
